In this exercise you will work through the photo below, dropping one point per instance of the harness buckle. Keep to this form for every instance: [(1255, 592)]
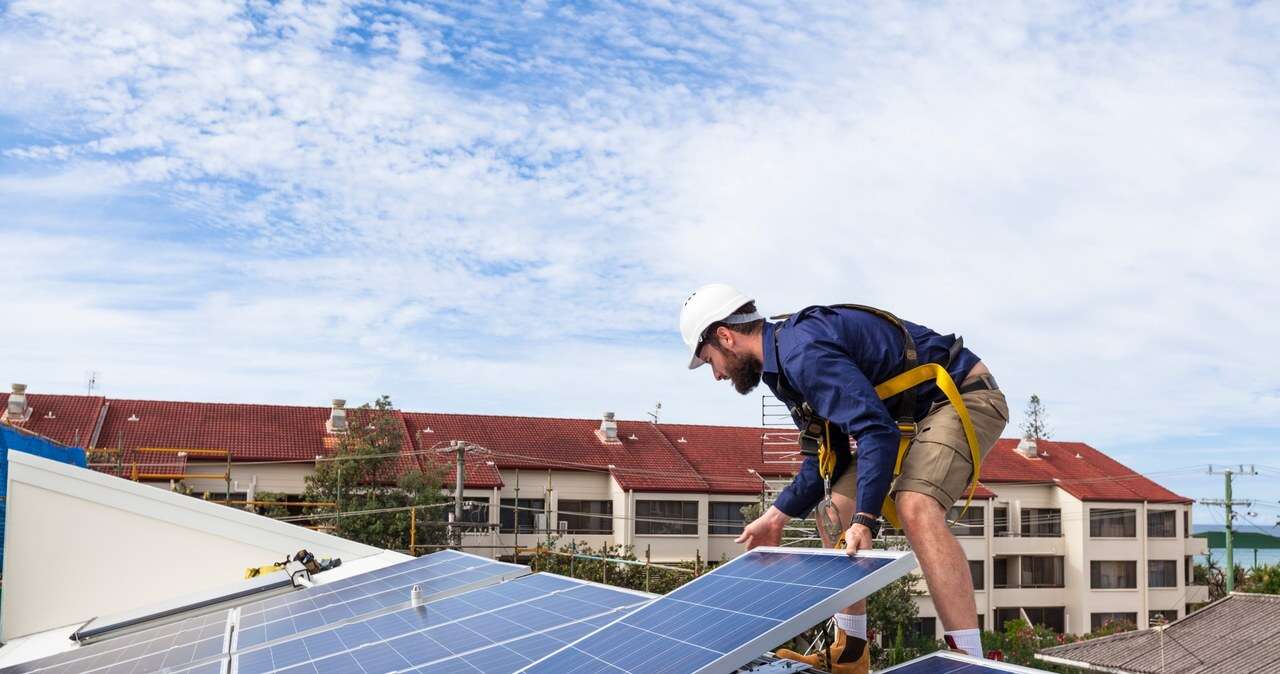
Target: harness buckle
[(908, 428)]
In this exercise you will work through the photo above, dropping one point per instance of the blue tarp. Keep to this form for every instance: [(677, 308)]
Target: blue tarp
[(23, 441)]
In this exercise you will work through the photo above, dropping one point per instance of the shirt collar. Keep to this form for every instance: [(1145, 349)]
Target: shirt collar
[(770, 353)]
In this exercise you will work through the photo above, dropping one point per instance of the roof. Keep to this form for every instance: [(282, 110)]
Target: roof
[(642, 459), (1077, 468), (647, 456), (68, 419), (1239, 633)]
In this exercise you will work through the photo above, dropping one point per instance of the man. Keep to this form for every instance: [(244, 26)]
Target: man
[(831, 358)]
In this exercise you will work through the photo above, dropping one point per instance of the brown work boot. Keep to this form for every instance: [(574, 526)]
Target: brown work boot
[(845, 656)]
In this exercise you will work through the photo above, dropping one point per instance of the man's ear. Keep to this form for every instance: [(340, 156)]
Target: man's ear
[(725, 337)]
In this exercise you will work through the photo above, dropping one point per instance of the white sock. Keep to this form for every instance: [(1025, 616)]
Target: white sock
[(969, 641), (854, 625)]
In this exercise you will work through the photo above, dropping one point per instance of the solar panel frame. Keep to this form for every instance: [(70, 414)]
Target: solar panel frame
[(407, 568), (459, 617), (898, 564), (950, 662), (131, 651)]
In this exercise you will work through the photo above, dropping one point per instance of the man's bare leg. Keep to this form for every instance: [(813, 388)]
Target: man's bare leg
[(946, 569)]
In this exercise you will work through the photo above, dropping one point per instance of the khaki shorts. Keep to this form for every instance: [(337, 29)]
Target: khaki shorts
[(938, 462)]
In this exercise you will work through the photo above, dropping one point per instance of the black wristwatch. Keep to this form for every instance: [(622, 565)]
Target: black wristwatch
[(872, 523)]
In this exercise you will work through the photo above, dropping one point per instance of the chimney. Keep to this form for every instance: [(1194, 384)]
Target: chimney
[(337, 422), (1027, 448), (608, 431), (18, 409)]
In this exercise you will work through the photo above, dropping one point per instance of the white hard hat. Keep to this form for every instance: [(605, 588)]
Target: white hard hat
[(709, 304)]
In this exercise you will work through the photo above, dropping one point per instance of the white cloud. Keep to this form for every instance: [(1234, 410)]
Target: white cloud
[(477, 209)]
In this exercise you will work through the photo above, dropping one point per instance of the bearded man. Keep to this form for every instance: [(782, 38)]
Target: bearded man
[(826, 361)]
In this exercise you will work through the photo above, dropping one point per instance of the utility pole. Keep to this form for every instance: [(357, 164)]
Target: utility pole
[(1228, 503), (459, 449)]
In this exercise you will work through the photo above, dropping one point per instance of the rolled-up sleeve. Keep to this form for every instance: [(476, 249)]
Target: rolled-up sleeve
[(838, 391)]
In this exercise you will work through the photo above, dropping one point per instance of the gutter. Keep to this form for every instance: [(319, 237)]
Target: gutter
[(1081, 665)]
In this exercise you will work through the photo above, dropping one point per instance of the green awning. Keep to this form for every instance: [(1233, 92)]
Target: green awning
[(1241, 540)]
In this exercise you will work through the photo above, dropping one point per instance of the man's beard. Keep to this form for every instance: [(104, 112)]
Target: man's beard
[(743, 371)]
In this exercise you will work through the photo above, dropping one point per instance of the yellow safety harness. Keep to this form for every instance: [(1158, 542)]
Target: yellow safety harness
[(904, 383)]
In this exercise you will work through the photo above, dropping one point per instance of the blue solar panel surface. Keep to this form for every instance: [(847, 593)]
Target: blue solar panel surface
[(316, 607), (170, 646), (495, 629), (700, 624)]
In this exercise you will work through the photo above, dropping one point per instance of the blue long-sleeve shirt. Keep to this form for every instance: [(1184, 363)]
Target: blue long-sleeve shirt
[(833, 358)]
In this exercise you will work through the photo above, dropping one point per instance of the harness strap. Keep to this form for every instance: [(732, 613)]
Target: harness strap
[(940, 376)]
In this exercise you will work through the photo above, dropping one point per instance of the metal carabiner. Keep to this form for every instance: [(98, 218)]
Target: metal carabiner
[(830, 524)]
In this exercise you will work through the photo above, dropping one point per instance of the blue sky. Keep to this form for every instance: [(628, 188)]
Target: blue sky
[(486, 207)]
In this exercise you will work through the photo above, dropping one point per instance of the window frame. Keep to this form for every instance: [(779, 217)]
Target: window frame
[(517, 513), (650, 524), (1171, 527), (1096, 574), (1128, 518), (1171, 575), (1043, 526), (717, 526), (572, 513)]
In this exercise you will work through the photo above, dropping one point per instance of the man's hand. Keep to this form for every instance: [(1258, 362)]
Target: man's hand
[(764, 530), (858, 537)]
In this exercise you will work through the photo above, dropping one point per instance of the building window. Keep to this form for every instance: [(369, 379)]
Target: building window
[(1000, 572), (1189, 570), (1162, 524), (666, 517), (1053, 617), (975, 571), (585, 517), (1161, 617), (1004, 615), (1186, 523), (525, 511), (1042, 571), (1109, 575), (926, 628), (726, 517), (968, 524), (1162, 573), (1041, 522), (1098, 621), (1113, 523), (1000, 521), (475, 514)]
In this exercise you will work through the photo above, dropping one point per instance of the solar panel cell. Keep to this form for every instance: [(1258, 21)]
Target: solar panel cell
[(497, 628), (174, 645), (722, 620)]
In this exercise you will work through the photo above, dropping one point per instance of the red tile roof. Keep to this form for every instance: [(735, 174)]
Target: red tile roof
[(1077, 468), (642, 459), (725, 456), (647, 457), (74, 417)]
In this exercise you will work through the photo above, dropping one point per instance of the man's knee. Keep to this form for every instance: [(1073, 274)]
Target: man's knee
[(916, 509)]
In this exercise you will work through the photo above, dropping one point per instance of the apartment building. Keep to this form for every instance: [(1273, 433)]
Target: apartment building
[(1059, 533), (1071, 539)]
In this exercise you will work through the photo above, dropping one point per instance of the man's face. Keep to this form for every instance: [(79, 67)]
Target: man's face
[(726, 363)]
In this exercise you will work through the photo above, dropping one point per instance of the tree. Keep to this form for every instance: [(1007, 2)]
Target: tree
[(371, 494), (1035, 423)]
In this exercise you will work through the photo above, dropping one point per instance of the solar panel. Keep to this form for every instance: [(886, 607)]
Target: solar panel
[(956, 663), (722, 620), (437, 574), (494, 629), (172, 646)]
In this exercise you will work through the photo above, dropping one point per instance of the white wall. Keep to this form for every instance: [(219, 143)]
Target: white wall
[(79, 544)]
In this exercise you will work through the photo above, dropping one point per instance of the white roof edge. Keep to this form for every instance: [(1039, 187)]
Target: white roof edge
[(156, 503)]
